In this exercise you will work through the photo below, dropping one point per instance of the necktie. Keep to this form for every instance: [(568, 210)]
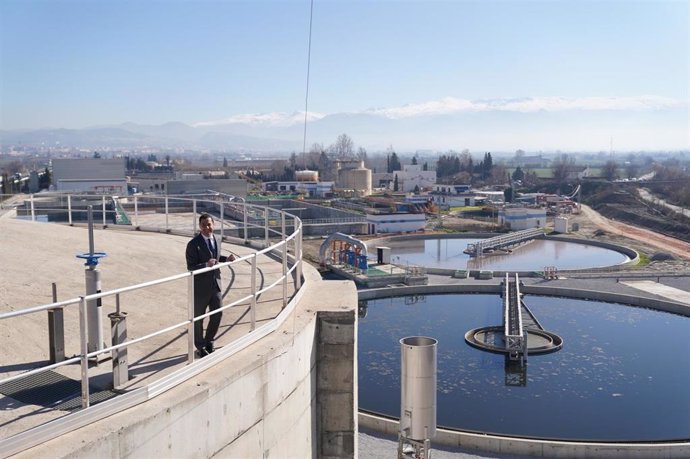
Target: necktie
[(210, 246)]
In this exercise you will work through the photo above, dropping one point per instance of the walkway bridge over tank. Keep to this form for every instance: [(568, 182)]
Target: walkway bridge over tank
[(502, 242), (521, 333)]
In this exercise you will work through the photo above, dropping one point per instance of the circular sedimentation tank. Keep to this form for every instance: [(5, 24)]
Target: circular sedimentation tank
[(447, 253), (617, 377)]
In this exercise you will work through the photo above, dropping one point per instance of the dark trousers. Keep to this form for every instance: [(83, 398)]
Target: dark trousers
[(213, 301)]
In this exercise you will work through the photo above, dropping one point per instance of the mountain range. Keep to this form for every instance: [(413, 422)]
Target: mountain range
[(546, 124)]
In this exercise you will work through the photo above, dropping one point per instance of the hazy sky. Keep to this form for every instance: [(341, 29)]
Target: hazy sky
[(77, 63)]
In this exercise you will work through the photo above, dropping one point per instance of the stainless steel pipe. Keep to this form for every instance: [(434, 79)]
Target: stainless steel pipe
[(418, 387)]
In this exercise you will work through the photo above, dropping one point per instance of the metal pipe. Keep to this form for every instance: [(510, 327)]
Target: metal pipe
[(252, 308), (69, 209), (418, 387), (190, 316), (83, 344)]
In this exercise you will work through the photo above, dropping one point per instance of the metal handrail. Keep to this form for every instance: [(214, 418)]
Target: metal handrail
[(88, 414)]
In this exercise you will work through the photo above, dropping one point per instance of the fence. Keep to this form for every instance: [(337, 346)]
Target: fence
[(171, 216)]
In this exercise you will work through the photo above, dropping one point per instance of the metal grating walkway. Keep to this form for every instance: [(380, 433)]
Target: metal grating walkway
[(51, 390)]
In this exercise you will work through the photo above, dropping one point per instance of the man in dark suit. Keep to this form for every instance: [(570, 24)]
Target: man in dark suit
[(202, 252)]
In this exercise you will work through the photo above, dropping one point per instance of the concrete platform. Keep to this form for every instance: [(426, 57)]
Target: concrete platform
[(35, 255)]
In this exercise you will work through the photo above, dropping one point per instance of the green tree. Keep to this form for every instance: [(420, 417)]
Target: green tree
[(393, 163), (518, 174)]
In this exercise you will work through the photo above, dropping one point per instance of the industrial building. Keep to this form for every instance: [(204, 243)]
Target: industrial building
[(352, 175), (521, 218), (103, 176)]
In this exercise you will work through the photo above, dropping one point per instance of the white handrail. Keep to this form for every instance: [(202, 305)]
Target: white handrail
[(88, 414)]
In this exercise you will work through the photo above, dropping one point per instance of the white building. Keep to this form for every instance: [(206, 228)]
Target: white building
[(311, 189), (412, 177), (521, 218), (105, 176), (395, 223), (446, 196), (492, 196)]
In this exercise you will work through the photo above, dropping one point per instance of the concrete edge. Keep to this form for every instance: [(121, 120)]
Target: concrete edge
[(533, 447), (565, 292)]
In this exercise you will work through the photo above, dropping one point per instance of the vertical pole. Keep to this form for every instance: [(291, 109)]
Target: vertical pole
[(298, 258), (56, 331), (69, 209), (93, 285), (136, 211), (167, 226), (252, 310), (33, 210), (244, 212), (83, 337), (193, 216), (222, 224), (285, 254), (103, 202), (190, 317), (266, 211)]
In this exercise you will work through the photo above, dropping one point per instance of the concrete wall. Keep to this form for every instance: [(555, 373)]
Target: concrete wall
[(235, 187), (290, 395), (336, 376), (510, 446)]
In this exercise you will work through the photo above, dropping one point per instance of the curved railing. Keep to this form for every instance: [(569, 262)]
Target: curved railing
[(258, 227)]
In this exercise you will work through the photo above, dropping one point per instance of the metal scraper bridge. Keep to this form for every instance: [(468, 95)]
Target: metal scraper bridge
[(521, 333), (502, 242)]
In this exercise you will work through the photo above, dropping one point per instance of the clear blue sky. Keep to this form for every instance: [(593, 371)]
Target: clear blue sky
[(78, 63)]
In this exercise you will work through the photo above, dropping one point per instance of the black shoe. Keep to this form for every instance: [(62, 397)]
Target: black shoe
[(210, 348), (201, 352)]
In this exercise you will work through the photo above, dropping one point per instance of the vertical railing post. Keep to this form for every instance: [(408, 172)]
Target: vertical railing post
[(167, 225), (193, 216), (33, 211), (252, 307), (56, 331), (266, 211), (83, 338), (136, 212), (190, 317), (244, 211), (298, 256), (69, 209), (103, 207), (222, 222), (285, 254)]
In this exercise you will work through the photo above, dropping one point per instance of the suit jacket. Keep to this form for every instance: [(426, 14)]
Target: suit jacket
[(197, 255)]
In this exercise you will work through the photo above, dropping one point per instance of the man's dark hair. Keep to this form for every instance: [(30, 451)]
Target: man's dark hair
[(204, 216)]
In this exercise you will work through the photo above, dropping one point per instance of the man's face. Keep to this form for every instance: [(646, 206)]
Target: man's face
[(206, 227)]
